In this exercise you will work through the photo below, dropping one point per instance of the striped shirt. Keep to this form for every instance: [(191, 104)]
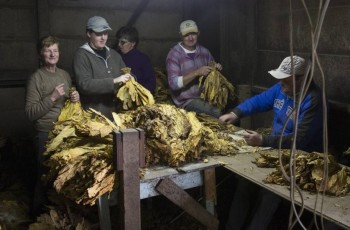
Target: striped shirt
[(178, 64)]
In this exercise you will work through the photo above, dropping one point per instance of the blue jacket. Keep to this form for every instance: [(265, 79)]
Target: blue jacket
[(310, 120)]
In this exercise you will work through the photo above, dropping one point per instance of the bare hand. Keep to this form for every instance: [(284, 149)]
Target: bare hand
[(253, 138), (57, 92), (228, 118), (203, 71), (218, 66), (74, 96), (122, 78)]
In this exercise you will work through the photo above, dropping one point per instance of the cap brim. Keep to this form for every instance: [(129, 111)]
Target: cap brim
[(188, 31), (278, 75), (99, 30)]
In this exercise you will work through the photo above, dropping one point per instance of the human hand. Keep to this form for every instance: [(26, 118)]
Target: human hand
[(218, 66), (253, 138), (203, 71), (57, 92), (74, 96), (228, 118), (122, 78)]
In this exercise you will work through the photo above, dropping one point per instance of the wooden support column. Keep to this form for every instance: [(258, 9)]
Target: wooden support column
[(210, 190), (182, 199), (127, 149)]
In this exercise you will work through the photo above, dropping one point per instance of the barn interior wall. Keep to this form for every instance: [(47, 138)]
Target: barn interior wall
[(251, 51), (23, 22), (248, 37)]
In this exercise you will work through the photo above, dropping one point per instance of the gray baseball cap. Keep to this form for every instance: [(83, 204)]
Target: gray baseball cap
[(97, 24)]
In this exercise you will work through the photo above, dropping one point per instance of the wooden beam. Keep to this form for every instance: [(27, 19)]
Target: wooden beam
[(182, 199), (127, 145), (210, 190)]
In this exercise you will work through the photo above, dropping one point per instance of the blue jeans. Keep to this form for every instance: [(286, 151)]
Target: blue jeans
[(200, 106)]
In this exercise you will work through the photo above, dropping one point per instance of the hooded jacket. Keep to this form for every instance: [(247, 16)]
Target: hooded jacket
[(94, 78)]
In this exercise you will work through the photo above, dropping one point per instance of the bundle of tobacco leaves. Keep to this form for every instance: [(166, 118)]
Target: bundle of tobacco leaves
[(80, 157), (217, 89), (133, 94), (161, 93), (61, 218), (216, 126), (309, 172), (80, 148), (71, 109), (174, 135)]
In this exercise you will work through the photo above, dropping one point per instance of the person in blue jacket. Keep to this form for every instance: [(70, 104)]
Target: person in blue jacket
[(280, 98), (253, 207)]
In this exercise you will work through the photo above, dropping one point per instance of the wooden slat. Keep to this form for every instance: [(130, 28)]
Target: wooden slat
[(129, 192), (335, 209), (210, 190), (182, 199), (142, 147), (103, 212)]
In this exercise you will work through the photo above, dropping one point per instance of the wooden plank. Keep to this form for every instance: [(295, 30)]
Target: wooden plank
[(210, 190), (179, 197), (335, 209), (129, 192), (118, 151), (103, 212), (142, 157), (186, 176), (184, 181)]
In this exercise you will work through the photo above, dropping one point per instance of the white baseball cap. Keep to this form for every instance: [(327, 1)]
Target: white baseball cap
[(188, 26), (285, 68)]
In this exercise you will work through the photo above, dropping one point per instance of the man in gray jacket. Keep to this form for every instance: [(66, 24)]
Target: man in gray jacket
[(97, 69)]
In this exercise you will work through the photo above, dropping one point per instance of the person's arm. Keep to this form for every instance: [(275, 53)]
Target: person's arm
[(309, 125), (36, 105), (176, 79), (259, 103), (202, 71), (90, 79)]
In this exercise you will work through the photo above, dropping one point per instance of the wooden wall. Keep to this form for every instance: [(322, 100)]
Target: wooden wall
[(249, 37)]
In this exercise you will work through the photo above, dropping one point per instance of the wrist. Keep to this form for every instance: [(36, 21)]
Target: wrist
[(53, 99)]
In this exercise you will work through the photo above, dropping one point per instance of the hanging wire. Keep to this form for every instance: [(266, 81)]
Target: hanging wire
[(309, 74)]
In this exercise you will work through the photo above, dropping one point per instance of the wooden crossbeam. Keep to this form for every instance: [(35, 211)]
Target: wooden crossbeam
[(182, 199)]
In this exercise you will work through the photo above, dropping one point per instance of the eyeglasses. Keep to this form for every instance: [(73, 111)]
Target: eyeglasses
[(122, 42)]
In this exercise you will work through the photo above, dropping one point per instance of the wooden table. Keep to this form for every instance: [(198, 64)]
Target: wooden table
[(171, 182), (167, 181), (335, 209)]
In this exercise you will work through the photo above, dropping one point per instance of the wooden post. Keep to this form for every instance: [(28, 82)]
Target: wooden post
[(210, 190), (127, 148)]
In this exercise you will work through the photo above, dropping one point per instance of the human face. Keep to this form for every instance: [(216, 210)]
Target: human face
[(125, 46), (287, 84), (189, 41), (98, 40), (50, 55)]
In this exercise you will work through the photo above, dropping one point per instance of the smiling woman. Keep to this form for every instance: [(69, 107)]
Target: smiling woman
[(47, 90)]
